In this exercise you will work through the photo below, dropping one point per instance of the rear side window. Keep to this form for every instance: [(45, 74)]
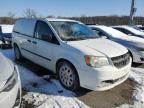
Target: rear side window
[(42, 28), (25, 27), (142, 28), (124, 31)]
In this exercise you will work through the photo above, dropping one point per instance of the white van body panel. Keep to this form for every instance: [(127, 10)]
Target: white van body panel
[(48, 54)]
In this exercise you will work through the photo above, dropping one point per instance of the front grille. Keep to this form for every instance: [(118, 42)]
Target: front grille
[(121, 61)]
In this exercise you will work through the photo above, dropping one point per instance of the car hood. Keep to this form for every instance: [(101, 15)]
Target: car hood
[(134, 39), (6, 68), (130, 42), (101, 46)]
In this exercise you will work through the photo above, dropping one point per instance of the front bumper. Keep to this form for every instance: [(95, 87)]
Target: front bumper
[(8, 99), (138, 57), (8, 40), (100, 79), (12, 98)]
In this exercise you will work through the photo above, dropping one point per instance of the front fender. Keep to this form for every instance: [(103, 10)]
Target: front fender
[(77, 60)]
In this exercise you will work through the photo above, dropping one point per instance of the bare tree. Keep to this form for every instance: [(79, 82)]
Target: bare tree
[(29, 13), (50, 16), (41, 16), (11, 17), (11, 14)]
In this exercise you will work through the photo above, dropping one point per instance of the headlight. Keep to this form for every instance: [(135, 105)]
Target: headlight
[(94, 61), (11, 82), (142, 53)]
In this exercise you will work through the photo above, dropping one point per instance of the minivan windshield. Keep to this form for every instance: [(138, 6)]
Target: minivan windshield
[(72, 31)]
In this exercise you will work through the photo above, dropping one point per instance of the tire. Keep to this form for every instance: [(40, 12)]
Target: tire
[(68, 76), (18, 56), (131, 56)]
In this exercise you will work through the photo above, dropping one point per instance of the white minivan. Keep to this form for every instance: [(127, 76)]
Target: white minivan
[(73, 51), (10, 86)]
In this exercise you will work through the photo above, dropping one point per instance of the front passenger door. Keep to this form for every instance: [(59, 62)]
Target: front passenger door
[(43, 45)]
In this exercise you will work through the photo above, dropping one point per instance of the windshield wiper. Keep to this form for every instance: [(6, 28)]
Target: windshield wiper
[(77, 38), (69, 39), (72, 38)]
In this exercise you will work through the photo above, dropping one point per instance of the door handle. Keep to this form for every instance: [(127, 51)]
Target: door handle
[(29, 40), (34, 42)]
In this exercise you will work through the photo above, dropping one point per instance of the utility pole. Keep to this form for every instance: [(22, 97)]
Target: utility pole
[(132, 12)]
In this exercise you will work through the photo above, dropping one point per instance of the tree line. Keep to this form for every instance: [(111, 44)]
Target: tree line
[(100, 20), (109, 20)]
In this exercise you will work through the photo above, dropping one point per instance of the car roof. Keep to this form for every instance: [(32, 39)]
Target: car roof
[(57, 19), (125, 27), (121, 26), (98, 26), (49, 19)]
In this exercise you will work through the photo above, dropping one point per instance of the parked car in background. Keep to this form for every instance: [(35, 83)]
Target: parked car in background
[(6, 33), (73, 51), (134, 44), (10, 87), (130, 31), (141, 27), (137, 27)]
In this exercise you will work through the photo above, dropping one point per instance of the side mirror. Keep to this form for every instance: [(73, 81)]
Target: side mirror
[(130, 34), (104, 37), (46, 37)]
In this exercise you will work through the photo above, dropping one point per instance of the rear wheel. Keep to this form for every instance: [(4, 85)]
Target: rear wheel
[(18, 56), (68, 76)]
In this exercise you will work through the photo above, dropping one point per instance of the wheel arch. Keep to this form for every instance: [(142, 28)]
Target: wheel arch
[(131, 54), (15, 44)]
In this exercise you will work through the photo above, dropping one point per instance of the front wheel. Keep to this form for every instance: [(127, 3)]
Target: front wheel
[(68, 76)]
